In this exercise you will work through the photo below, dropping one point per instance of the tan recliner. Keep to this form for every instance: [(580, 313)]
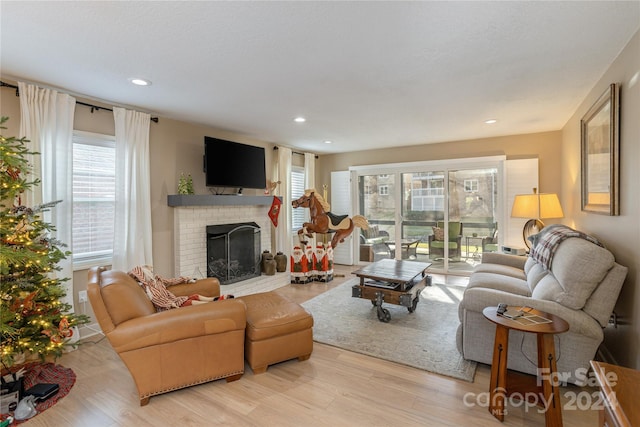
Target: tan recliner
[(171, 349)]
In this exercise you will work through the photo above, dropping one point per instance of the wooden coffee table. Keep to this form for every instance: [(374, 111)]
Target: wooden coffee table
[(393, 281)]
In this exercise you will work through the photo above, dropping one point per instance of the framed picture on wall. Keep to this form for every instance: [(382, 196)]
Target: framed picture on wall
[(599, 149)]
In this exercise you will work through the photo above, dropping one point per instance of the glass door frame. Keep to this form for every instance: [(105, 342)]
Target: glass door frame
[(445, 166)]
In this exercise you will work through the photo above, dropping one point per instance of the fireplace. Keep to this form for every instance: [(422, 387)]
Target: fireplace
[(233, 252)]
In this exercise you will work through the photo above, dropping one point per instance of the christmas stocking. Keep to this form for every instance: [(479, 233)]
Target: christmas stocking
[(275, 210)]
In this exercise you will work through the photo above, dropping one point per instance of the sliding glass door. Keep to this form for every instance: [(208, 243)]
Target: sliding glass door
[(473, 216), (445, 213), (423, 205), (377, 203)]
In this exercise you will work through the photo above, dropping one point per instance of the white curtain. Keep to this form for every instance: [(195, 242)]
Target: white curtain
[(310, 182), (132, 222), (310, 171), (283, 232), (46, 119)]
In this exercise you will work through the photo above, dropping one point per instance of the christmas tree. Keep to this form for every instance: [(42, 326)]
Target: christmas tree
[(33, 319)]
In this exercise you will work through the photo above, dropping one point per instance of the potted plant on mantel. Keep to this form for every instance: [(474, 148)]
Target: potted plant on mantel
[(34, 321)]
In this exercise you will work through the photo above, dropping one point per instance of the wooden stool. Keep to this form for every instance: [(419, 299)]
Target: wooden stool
[(277, 329)]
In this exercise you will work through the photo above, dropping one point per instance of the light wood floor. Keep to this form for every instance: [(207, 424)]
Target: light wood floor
[(333, 388)]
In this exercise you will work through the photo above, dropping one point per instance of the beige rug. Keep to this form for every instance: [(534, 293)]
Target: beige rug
[(424, 339)]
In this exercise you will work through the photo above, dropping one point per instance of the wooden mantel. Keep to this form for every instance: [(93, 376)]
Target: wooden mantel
[(177, 200)]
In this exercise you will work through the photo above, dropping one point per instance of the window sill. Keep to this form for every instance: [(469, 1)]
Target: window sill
[(85, 264)]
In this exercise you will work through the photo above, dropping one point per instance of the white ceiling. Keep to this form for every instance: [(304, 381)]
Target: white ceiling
[(364, 74)]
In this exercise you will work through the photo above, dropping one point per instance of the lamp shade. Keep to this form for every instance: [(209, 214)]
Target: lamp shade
[(537, 206)]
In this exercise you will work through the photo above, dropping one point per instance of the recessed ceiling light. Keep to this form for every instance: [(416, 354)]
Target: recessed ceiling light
[(299, 120), (140, 82), (490, 121), (328, 142)]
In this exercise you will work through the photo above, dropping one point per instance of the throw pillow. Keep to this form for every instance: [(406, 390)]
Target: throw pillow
[(438, 233)]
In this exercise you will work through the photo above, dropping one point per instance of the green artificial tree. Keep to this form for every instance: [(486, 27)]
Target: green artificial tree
[(33, 318)]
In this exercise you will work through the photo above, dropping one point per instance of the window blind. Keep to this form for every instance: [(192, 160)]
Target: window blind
[(93, 196), (297, 189)]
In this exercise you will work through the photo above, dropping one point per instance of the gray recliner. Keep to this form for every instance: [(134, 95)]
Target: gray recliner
[(581, 287)]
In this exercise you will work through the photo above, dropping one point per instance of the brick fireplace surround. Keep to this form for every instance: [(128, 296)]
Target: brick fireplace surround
[(192, 214)]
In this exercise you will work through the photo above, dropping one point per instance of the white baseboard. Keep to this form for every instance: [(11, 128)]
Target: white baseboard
[(89, 330)]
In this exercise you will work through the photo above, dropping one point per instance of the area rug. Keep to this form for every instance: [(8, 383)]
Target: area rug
[(48, 373), (424, 339)]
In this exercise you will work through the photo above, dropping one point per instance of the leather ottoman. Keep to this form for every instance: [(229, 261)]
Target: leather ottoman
[(277, 329)]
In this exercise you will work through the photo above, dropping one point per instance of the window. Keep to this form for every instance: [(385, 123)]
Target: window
[(383, 190), (297, 189), (436, 186), (93, 198), (471, 185)]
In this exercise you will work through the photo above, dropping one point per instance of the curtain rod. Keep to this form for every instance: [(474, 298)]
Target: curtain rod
[(295, 152), (93, 107)]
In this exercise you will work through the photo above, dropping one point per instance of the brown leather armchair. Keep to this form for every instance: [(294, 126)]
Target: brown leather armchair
[(172, 349)]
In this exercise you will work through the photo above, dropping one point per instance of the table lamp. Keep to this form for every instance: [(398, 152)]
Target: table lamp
[(536, 206)]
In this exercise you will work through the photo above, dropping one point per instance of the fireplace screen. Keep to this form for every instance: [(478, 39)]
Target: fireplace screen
[(233, 252)]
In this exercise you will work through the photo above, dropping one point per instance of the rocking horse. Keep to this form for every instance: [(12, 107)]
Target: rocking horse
[(323, 221)]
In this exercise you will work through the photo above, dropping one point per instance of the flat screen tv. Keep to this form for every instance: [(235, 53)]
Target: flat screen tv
[(231, 164)]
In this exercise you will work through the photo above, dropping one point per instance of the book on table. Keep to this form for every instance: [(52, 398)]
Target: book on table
[(524, 316)]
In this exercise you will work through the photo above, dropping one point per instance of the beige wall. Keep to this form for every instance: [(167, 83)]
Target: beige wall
[(10, 107), (175, 147), (546, 146), (620, 234)]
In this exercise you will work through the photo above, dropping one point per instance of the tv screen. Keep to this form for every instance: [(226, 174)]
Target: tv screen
[(231, 164)]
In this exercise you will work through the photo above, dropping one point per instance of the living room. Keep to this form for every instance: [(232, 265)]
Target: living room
[(176, 146)]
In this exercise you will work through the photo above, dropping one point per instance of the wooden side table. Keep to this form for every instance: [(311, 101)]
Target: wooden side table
[(500, 378), (620, 395)]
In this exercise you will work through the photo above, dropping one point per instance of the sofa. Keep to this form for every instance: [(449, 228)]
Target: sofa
[(581, 285), (169, 350)]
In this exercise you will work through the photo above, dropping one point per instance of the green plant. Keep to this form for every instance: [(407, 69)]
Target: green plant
[(185, 184)]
